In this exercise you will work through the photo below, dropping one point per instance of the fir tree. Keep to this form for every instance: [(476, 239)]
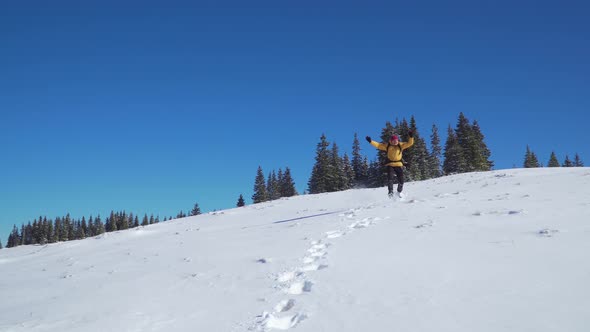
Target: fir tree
[(153, 221), (50, 232), (553, 162), (336, 180), (1, 244), (241, 201), (567, 162), (530, 159), (123, 221), (359, 165), (320, 174), (375, 179), (578, 161), (481, 153), (527, 158), (100, 227), (130, 220), (57, 229), (196, 210), (136, 222), (287, 184), (473, 148), (145, 220), (535, 160), (417, 156), (280, 181), (14, 238), (435, 154), (454, 161), (348, 172), (260, 193), (272, 186)]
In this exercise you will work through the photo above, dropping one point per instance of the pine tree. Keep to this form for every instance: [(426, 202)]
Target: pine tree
[(534, 160), (241, 201), (359, 165), (417, 156), (578, 161), (567, 162), (553, 162), (336, 180), (1, 244), (14, 238), (153, 221), (473, 148), (196, 210), (100, 227), (57, 230), (348, 172), (434, 169), (287, 184), (530, 159), (375, 179), (320, 174), (145, 220), (272, 186), (481, 153), (527, 158), (280, 181), (50, 232), (260, 193), (136, 222), (454, 161)]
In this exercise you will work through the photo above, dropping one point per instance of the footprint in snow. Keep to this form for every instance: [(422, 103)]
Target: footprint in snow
[(361, 224), (334, 234), (287, 276), (283, 323), (285, 305), (300, 287), (313, 267)]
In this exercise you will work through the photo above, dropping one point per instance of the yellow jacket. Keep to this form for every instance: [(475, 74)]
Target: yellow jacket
[(395, 151)]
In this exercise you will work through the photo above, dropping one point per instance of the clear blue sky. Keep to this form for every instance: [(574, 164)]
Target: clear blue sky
[(151, 106)]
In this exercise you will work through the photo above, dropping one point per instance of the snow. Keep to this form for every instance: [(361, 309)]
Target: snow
[(495, 251)]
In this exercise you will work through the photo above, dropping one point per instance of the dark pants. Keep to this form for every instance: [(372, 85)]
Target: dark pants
[(399, 173)]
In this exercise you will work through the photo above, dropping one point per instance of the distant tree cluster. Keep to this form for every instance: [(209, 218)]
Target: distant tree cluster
[(465, 151), (275, 186), (531, 160), (43, 230), (331, 171)]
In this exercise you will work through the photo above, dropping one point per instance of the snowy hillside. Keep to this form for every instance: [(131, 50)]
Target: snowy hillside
[(497, 251)]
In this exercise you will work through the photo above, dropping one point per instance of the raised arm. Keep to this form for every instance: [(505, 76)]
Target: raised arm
[(379, 146)]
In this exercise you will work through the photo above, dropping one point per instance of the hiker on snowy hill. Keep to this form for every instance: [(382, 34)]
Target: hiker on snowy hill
[(394, 150)]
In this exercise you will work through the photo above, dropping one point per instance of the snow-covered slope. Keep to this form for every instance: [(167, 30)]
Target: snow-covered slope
[(496, 251)]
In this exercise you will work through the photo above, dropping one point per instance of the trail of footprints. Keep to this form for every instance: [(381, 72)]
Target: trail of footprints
[(295, 283)]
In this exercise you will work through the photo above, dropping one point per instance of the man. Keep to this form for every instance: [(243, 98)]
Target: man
[(394, 150)]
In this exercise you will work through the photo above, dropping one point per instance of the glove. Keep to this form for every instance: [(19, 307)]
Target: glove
[(368, 138), (411, 133)]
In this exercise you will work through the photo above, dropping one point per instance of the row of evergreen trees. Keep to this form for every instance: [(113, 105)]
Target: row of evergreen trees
[(275, 186), (465, 151), (44, 230), (531, 160)]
